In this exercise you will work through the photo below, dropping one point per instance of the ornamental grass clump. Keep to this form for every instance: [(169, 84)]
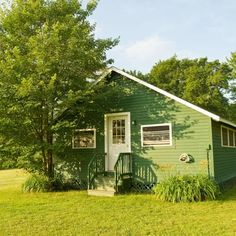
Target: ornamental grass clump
[(187, 188), (36, 183)]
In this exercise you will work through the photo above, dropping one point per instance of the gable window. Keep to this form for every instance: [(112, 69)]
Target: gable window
[(84, 138), (156, 135), (228, 137)]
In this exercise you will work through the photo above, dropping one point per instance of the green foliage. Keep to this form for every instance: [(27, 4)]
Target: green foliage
[(232, 106), (48, 51), (7, 163), (232, 63), (198, 81), (187, 188), (138, 74), (36, 183), (232, 109)]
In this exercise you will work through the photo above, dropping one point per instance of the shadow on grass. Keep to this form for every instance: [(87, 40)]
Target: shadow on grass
[(228, 194)]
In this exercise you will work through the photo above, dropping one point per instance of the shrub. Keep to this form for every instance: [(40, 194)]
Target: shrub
[(57, 183), (36, 183), (40, 183), (187, 188)]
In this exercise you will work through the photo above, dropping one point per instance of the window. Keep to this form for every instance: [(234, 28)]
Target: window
[(228, 137), (156, 135), (118, 131), (224, 134), (235, 139), (84, 138), (231, 138)]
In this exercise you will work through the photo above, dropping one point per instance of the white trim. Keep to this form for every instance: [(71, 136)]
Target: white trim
[(234, 136), (106, 116), (227, 122), (106, 136), (154, 125), (78, 130), (180, 100)]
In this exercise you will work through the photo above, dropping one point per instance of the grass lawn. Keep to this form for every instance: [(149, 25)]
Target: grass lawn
[(75, 213)]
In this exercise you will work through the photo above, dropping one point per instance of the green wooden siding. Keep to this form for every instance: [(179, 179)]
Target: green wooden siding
[(224, 157), (191, 133)]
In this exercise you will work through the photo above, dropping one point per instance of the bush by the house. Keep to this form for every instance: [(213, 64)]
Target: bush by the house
[(36, 183), (187, 188), (40, 183)]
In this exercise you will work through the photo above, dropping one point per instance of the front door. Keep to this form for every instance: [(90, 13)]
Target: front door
[(118, 132)]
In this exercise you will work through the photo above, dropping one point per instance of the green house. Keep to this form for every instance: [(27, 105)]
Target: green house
[(143, 134)]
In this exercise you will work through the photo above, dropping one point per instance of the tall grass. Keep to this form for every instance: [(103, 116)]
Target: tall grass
[(187, 188), (36, 183)]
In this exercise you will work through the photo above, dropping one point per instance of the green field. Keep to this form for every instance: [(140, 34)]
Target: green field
[(75, 213)]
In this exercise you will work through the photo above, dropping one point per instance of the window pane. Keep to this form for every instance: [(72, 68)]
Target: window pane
[(118, 123), (235, 139), (118, 134), (225, 136), (123, 123), (156, 135), (231, 138)]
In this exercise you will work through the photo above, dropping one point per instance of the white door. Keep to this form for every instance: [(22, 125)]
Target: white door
[(118, 137)]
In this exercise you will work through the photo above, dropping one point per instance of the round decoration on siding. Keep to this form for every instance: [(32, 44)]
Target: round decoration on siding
[(184, 157)]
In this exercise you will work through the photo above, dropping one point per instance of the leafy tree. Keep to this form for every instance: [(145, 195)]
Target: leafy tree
[(47, 53), (232, 108), (138, 74), (196, 80)]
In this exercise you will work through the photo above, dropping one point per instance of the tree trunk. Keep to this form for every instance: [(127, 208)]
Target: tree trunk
[(50, 165), (47, 141)]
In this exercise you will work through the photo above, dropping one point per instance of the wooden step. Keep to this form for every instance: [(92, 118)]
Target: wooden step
[(101, 193), (105, 188), (104, 183)]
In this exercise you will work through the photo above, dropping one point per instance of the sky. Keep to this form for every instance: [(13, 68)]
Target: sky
[(154, 30)]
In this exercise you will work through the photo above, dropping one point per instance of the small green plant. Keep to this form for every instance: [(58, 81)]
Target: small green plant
[(36, 183), (187, 188)]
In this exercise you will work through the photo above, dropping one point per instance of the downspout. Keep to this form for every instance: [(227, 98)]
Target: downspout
[(208, 161)]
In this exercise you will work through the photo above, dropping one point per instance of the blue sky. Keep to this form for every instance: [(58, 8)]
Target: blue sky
[(153, 30)]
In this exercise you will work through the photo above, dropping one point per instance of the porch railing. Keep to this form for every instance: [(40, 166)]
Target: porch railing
[(96, 166), (122, 167)]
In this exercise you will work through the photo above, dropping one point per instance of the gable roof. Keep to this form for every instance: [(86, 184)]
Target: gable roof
[(169, 95)]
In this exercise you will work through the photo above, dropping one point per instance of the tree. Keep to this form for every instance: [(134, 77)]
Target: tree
[(198, 81), (47, 53), (232, 108), (138, 74)]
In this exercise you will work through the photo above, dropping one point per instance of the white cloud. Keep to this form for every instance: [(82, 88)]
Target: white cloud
[(143, 54), (149, 48)]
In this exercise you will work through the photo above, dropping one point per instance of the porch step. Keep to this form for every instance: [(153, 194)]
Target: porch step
[(101, 193), (104, 183)]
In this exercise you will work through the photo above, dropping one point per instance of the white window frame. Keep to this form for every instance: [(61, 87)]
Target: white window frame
[(154, 125), (94, 136), (234, 136)]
